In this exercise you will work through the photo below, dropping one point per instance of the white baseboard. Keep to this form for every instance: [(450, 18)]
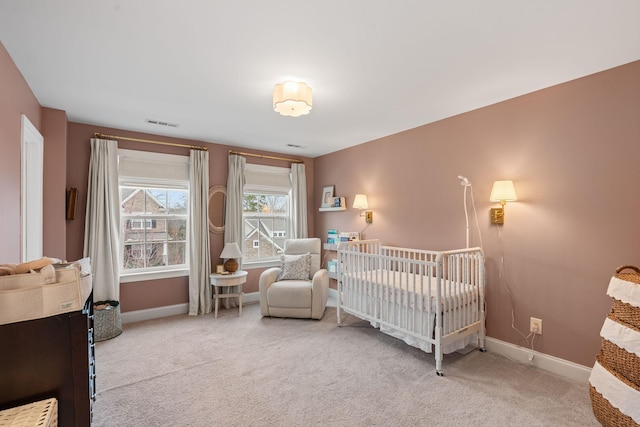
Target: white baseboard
[(251, 297), (154, 313), (552, 364), (173, 310)]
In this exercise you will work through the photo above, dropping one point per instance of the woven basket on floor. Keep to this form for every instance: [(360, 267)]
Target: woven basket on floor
[(604, 411), (107, 321), (621, 311), (622, 364), (625, 313), (629, 276), (621, 361), (41, 414), (606, 414)]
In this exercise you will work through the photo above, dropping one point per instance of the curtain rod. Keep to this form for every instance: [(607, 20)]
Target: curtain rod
[(264, 156), (173, 144)]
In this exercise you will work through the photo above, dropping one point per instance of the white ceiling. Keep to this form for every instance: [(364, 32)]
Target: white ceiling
[(377, 67)]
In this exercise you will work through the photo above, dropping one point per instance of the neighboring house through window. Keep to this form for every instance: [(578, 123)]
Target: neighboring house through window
[(154, 212), (141, 224), (266, 213)]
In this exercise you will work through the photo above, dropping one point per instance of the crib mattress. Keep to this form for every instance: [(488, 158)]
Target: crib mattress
[(403, 299), (410, 289)]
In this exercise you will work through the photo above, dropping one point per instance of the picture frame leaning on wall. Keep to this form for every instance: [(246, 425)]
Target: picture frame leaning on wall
[(327, 196)]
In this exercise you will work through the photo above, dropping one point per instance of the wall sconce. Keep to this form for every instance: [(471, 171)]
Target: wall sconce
[(231, 251), (503, 192), (360, 203)]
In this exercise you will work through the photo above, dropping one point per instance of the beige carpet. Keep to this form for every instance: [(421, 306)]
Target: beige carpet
[(254, 371)]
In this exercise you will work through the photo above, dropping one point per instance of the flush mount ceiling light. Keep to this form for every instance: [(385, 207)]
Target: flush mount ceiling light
[(292, 98)]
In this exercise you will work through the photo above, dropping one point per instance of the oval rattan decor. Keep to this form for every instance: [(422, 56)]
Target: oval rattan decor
[(217, 206)]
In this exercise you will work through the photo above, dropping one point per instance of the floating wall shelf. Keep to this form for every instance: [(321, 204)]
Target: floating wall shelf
[(339, 208)]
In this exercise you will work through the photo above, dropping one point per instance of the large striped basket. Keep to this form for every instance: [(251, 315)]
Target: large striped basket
[(626, 311), (615, 378)]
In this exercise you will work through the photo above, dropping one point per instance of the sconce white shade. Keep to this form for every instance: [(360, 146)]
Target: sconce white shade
[(231, 250), (503, 191), (360, 202), (292, 98)]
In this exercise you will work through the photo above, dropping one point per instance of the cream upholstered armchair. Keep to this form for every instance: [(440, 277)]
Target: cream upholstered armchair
[(299, 288)]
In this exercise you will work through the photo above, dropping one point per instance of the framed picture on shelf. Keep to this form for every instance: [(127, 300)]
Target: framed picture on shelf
[(327, 197)]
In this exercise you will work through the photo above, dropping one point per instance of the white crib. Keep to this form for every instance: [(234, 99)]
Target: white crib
[(426, 298)]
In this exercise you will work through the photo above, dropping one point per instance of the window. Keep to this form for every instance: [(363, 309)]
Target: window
[(266, 212), (154, 227), (263, 212), (154, 215), (141, 224)]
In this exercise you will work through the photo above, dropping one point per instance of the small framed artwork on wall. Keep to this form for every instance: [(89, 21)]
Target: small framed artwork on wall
[(72, 195), (327, 196)]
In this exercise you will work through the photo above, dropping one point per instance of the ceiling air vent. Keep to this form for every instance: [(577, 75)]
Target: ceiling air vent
[(294, 146), (161, 123)]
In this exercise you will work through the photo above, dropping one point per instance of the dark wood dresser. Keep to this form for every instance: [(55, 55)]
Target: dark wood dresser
[(50, 357)]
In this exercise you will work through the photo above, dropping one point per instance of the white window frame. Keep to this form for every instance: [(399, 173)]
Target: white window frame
[(176, 181), (270, 174)]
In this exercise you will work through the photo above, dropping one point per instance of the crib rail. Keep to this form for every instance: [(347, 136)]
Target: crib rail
[(424, 297), (462, 282)]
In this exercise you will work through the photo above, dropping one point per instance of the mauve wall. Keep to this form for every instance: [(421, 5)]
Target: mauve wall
[(572, 151), (54, 129), (156, 293), (16, 99)]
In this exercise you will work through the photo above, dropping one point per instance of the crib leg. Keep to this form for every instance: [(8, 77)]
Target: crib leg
[(439, 371), (439, 355), (481, 339)]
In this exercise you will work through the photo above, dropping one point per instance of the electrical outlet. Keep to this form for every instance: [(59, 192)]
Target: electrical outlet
[(535, 325)]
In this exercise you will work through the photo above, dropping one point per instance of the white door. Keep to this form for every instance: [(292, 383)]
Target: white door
[(32, 182)]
